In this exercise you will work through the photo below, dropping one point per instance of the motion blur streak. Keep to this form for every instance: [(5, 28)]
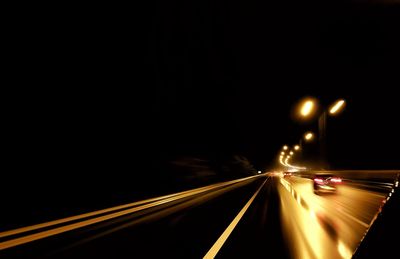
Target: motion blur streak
[(85, 215), (325, 226), (221, 240), (246, 218), (95, 213), (59, 230), (344, 251), (164, 212)]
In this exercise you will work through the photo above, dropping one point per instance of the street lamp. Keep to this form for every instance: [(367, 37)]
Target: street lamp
[(337, 107), (308, 136), (334, 109), (307, 108), (285, 147)]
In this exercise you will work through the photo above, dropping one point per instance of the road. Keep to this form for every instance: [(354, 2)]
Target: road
[(253, 217), (329, 225)]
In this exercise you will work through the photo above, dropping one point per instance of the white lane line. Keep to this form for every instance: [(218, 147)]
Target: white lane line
[(81, 216), (84, 223), (103, 211), (355, 219), (352, 217), (221, 240)]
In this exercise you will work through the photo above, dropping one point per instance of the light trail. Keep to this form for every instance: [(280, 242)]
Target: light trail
[(140, 205)]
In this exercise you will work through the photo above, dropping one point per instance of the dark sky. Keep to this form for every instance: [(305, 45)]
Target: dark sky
[(101, 99), (228, 75), (113, 90)]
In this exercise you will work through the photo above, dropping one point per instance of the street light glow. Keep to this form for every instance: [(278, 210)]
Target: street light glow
[(291, 153), (282, 153), (285, 147), (335, 108), (309, 136), (307, 108), (297, 147)]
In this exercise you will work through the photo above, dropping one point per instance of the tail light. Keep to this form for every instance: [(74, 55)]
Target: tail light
[(336, 180)]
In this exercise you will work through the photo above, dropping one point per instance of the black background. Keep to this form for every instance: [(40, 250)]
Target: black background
[(103, 98)]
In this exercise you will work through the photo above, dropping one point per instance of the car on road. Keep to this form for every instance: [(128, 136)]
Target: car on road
[(326, 183), (287, 174)]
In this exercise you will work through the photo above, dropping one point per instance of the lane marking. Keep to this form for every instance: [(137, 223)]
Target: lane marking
[(347, 214), (81, 216), (47, 233), (221, 240), (355, 219), (98, 212)]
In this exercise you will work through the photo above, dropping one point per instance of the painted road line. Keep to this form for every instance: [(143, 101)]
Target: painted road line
[(59, 230), (221, 240)]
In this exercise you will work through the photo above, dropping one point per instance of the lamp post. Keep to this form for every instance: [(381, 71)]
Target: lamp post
[(308, 136), (334, 109), (298, 148), (322, 137), (306, 111)]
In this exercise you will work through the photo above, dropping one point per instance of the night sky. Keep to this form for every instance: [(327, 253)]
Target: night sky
[(230, 74), (105, 99)]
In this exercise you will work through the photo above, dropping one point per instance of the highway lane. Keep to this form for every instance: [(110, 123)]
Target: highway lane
[(119, 211), (179, 226), (329, 225), (263, 215), (287, 220), (259, 234)]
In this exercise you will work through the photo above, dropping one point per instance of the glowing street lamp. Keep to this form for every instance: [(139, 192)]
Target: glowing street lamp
[(285, 147), (337, 107), (307, 108), (308, 136), (334, 109)]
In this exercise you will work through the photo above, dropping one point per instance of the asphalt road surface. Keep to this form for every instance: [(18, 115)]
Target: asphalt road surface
[(266, 215)]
